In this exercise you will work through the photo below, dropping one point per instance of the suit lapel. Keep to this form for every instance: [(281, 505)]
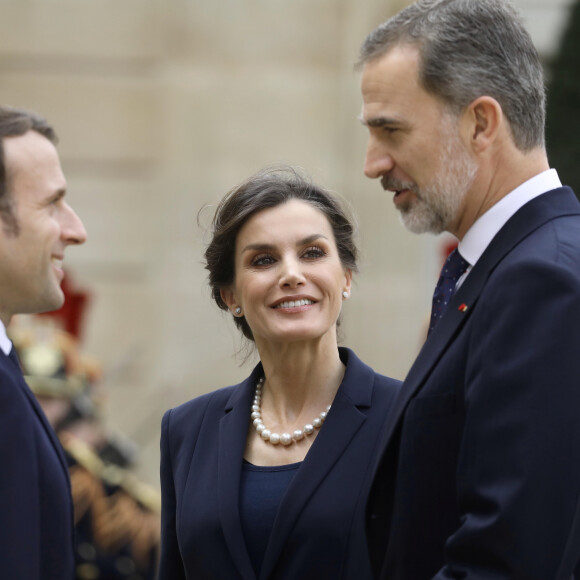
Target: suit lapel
[(553, 204), (342, 424), (232, 442), (13, 364)]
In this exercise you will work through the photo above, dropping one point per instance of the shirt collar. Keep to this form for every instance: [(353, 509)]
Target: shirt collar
[(480, 234), (5, 343)]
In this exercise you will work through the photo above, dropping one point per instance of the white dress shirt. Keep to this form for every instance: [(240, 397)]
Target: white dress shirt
[(5, 343), (483, 230)]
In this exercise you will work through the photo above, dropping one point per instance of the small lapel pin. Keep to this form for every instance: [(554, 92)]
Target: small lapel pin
[(463, 308)]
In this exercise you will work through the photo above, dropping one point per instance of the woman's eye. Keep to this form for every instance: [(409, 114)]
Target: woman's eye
[(314, 252), (262, 260)]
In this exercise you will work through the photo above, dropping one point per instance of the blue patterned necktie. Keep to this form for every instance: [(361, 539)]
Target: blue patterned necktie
[(452, 270)]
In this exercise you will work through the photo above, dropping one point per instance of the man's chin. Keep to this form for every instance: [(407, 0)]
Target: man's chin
[(52, 302), (420, 222)]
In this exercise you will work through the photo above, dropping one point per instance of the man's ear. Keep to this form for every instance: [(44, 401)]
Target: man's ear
[(483, 119)]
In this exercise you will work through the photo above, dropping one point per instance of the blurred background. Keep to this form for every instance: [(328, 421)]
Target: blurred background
[(161, 107)]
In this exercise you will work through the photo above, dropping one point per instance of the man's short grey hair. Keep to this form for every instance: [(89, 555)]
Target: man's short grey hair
[(469, 49)]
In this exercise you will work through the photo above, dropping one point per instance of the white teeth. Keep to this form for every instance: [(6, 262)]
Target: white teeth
[(57, 262), (294, 303)]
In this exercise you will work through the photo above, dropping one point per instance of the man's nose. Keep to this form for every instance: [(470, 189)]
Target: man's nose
[(378, 161), (73, 229)]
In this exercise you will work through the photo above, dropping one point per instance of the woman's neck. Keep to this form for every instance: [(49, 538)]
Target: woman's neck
[(300, 377)]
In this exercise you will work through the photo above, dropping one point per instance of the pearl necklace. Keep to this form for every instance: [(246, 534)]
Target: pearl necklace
[(284, 438)]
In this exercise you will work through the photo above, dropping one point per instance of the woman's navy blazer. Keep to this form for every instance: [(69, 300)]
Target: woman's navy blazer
[(319, 528)]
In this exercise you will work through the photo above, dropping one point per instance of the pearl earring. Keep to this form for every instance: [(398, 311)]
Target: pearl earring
[(238, 311), (345, 294)]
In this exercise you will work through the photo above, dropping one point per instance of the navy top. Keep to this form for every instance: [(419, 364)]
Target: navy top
[(261, 491)]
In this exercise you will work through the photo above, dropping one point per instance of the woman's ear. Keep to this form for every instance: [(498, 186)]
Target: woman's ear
[(228, 296), (348, 279)]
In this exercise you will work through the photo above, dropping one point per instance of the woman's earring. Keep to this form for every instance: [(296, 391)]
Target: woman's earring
[(345, 295), (238, 311)]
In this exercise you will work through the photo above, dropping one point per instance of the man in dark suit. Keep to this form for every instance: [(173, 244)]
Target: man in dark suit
[(479, 475), (36, 226)]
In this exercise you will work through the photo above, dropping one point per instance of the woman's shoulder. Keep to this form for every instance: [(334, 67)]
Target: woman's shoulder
[(364, 387), (385, 390), (201, 405), (358, 368), (211, 404), (387, 383)]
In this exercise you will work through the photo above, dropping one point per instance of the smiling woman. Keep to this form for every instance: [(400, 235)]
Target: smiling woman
[(288, 275), (266, 190), (269, 477)]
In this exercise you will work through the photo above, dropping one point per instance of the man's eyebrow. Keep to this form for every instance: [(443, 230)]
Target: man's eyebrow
[(269, 247), (378, 122), (58, 194)]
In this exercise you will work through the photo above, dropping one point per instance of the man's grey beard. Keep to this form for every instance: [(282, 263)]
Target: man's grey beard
[(436, 206)]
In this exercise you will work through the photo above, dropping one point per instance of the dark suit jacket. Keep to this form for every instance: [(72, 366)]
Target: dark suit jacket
[(319, 529), (480, 473), (36, 520)]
